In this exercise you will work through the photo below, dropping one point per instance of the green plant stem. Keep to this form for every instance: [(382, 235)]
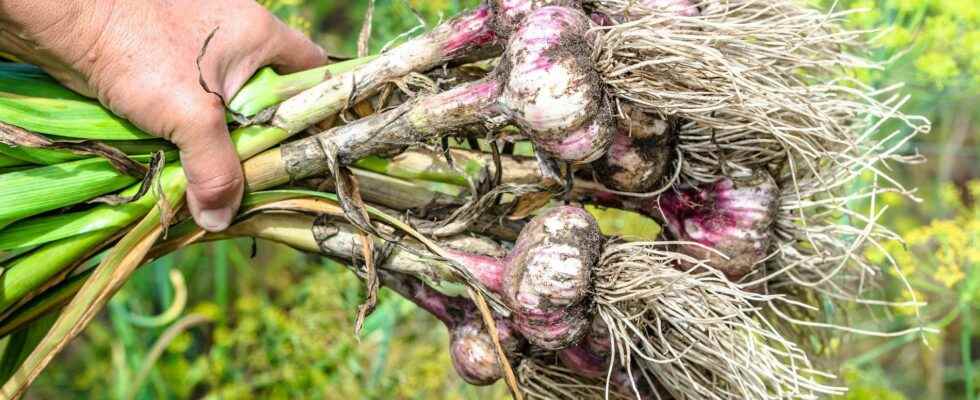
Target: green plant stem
[(39, 231), (34, 309), (248, 141), (40, 189), (416, 172), (467, 165), (94, 293), (267, 88), (38, 156), (966, 353), (159, 346), (161, 280), (82, 231), (7, 161), (170, 314), (29, 272), (221, 275), (21, 344), (28, 156), (67, 237), (32, 100), (873, 354), (33, 191)]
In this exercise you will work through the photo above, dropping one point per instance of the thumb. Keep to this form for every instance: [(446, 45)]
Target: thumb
[(214, 172)]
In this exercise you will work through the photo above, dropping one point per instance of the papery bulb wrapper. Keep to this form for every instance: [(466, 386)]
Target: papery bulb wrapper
[(549, 278), (552, 89), (734, 217), (640, 155), (511, 13), (474, 354)]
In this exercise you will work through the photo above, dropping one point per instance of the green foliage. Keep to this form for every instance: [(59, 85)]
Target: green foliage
[(933, 50), (33, 191), (864, 387), (22, 343), (940, 260), (287, 332), (337, 24), (37, 102)]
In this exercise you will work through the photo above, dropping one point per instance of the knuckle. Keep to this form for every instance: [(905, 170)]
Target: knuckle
[(205, 114), (186, 115)]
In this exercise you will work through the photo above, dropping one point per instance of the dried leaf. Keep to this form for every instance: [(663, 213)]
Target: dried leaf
[(528, 204), (371, 280), (15, 136), (151, 179), (364, 39), (363, 108), (348, 194), (509, 377), (200, 74)]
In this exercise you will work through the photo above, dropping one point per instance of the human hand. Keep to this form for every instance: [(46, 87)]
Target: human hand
[(139, 59)]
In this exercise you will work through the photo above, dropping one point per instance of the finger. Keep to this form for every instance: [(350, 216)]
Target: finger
[(296, 52), (292, 52), (214, 174)]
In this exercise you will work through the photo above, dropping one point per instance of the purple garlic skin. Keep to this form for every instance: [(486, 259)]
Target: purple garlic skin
[(584, 143), (474, 354), (511, 13), (471, 347), (548, 282), (471, 29), (640, 155), (552, 89), (489, 271), (734, 217), (591, 366), (598, 340), (591, 359), (584, 362), (545, 279)]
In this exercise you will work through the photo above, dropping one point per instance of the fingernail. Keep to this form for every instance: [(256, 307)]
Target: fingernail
[(214, 220)]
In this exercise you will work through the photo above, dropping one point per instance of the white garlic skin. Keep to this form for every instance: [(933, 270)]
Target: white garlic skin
[(548, 282), (474, 355), (552, 90)]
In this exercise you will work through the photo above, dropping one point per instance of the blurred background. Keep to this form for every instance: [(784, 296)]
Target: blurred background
[(256, 320)]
